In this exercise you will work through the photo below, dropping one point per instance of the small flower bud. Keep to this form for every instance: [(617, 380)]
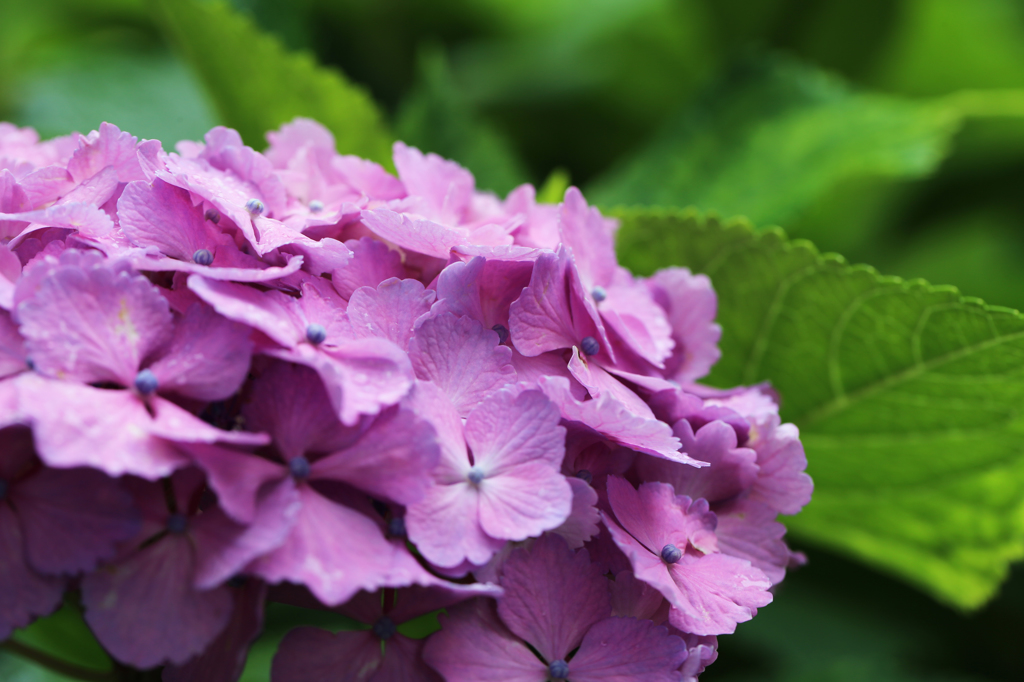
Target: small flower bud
[(670, 554), (599, 293), (501, 331), (30, 364), (558, 670), (475, 475), (212, 215), (202, 257), (590, 346), (177, 523), (396, 527), (146, 382), (385, 628), (316, 334), (254, 207), (299, 468), (316, 206), (585, 475)]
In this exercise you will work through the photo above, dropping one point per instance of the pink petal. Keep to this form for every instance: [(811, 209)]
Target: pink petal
[(164, 216), (691, 306), (524, 500), (308, 653), (121, 599), (509, 429), (236, 477), (462, 358), (208, 357), (446, 529), (107, 147), (584, 521), (86, 219), (390, 311), (640, 323), (590, 236), (599, 383), (474, 646), (541, 320), (748, 530), (445, 186), (625, 649), (94, 324), (413, 234), (73, 518), (483, 289), (552, 596), (782, 482), (25, 594), (368, 178), (372, 262), (13, 358), (225, 657), (294, 136), (273, 313)]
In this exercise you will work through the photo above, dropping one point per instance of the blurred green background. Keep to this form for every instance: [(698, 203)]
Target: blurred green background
[(891, 131)]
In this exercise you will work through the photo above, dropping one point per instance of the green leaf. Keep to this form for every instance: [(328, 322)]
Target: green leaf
[(907, 396), (257, 85), (772, 136)]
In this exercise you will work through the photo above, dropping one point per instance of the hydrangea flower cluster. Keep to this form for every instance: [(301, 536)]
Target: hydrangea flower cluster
[(229, 376)]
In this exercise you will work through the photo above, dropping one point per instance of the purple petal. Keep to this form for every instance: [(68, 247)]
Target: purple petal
[(584, 521), (403, 662), (236, 477), (105, 147), (121, 599), (590, 236), (465, 360), (273, 313), (445, 187), (636, 599), (12, 347), (25, 594), (474, 646), (225, 657), (626, 649), (541, 320), (748, 530), (630, 311), (208, 357), (73, 518), (164, 216), (445, 526), (308, 653), (94, 324), (10, 271), (413, 234), (511, 428), (372, 262), (691, 306), (390, 311), (483, 289), (552, 596), (782, 482)]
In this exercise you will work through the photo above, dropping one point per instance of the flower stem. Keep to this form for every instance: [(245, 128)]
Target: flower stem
[(55, 664)]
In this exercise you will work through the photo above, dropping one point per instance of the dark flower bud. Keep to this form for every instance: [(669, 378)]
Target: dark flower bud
[(385, 628), (3, 489), (30, 364), (316, 334), (558, 670), (202, 257), (590, 346), (212, 215), (146, 382), (177, 523), (599, 293), (254, 207), (316, 206), (396, 527), (502, 332), (585, 475), (670, 554), (475, 475), (299, 468), (380, 507)]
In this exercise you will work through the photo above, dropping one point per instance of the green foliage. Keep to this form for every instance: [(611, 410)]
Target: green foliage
[(772, 136), (906, 396), (256, 85)]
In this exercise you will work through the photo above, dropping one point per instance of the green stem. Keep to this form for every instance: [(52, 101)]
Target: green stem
[(55, 664)]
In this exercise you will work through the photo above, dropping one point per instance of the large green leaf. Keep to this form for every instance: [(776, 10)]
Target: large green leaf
[(907, 395), (257, 85), (771, 136)]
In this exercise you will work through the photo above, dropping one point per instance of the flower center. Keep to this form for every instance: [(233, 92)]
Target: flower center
[(599, 294), (475, 475), (254, 207), (299, 468), (177, 523), (558, 670), (316, 206), (590, 346), (202, 257), (396, 527), (146, 382), (585, 475), (316, 334), (385, 628), (212, 215), (501, 331), (670, 554)]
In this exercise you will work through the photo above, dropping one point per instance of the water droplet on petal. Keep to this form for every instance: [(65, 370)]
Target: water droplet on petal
[(385, 628), (212, 215), (599, 293), (590, 346), (316, 334), (585, 475), (501, 331), (299, 468), (177, 523), (146, 382), (202, 257), (254, 207), (475, 475), (316, 206), (558, 670), (670, 554)]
